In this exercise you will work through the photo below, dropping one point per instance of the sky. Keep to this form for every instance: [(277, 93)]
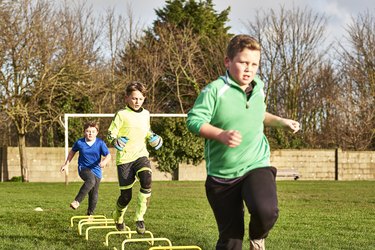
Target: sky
[(338, 12)]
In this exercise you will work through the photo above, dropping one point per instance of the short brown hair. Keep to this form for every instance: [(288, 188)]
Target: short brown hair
[(239, 42), (93, 124), (134, 86)]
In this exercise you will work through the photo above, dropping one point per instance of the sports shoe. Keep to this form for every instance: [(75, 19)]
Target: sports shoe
[(140, 226), (74, 205), (90, 218), (120, 226), (257, 244)]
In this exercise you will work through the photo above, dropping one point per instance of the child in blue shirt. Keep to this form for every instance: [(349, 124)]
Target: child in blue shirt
[(90, 164)]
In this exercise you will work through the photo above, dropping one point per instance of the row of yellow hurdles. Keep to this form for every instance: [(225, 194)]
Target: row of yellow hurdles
[(97, 222)]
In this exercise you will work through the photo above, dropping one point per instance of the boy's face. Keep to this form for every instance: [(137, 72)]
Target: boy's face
[(91, 133), (135, 100), (244, 66)]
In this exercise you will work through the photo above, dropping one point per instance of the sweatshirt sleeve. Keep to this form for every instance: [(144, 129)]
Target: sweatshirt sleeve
[(114, 127), (203, 109)]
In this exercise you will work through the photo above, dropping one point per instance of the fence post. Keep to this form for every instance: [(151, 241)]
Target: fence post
[(176, 173), (4, 175), (336, 164), (1, 164)]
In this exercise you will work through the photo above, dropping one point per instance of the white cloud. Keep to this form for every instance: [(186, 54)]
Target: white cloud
[(338, 12)]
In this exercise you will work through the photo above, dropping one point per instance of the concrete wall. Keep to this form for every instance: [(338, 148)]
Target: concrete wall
[(44, 165)]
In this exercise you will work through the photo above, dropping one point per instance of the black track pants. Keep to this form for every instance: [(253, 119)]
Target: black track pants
[(90, 187), (257, 189)]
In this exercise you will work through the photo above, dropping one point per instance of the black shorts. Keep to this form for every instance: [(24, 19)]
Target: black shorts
[(128, 172)]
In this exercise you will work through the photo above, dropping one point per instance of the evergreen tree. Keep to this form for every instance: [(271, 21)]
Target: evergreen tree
[(200, 16), (177, 56)]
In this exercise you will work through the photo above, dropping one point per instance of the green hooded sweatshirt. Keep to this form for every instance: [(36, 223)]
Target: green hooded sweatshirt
[(223, 104)]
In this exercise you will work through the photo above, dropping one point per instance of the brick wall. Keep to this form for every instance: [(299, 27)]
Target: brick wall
[(44, 165)]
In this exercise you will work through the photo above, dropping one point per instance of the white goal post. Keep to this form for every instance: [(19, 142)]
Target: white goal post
[(66, 129)]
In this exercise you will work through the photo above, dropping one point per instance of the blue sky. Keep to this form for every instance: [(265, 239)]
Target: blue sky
[(339, 12)]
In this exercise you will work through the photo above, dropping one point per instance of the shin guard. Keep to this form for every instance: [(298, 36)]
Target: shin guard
[(142, 203), (118, 214)]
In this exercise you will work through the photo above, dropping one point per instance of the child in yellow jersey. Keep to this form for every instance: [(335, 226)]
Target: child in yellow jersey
[(129, 133)]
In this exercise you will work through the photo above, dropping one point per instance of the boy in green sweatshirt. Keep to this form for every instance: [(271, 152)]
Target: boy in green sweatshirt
[(230, 113)]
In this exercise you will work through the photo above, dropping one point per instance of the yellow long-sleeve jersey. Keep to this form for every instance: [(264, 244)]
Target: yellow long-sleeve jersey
[(135, 125)]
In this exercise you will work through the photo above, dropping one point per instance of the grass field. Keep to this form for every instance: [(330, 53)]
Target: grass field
[(313, 215)]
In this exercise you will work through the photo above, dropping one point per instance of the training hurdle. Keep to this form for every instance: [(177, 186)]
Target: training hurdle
[(101, 222), (96, 227), (145, 240), (127, 232), (174, 247), (85, 217), (104, 223)]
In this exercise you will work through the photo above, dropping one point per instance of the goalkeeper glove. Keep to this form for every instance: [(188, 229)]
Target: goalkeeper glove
[(119, 143), (155, 141)]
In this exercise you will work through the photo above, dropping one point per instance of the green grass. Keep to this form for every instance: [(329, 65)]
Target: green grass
[(313, 215)]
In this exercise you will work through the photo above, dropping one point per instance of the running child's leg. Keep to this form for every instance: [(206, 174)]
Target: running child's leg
[(227, 204), (93, 197), (126, 178), (259, 193), (144, 174), (89, 182)]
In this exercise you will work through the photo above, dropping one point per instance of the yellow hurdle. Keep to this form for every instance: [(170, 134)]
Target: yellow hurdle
[(128, 234), (101, 222), (174, 247), (85, 222), (148, 240), (85, 217), (97, 227)]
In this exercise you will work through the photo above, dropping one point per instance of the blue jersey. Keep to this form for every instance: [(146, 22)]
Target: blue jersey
[(90, 156)]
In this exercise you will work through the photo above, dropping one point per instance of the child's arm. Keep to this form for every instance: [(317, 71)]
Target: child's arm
[(68, 159), (271, 120), (231, 138), (105, 160), (113, 137)]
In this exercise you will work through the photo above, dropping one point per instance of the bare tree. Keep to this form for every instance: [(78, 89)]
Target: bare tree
[(48, 58), (118, 32), (149, 58), (24, 30), (357, 80), (172, 62), (181, 52), (74, 63), (292, 58), (178, 55)]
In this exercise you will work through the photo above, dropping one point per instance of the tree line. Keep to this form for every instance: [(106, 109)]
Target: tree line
[(60, 57)]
